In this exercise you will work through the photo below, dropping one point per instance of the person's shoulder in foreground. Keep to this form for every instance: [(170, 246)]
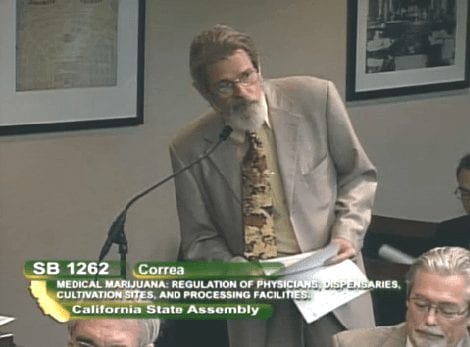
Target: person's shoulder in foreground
[(287, 92), (372, 337)]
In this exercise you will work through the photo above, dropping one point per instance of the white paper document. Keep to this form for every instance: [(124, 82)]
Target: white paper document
[(337, 284), (5, 320), (334, 281)]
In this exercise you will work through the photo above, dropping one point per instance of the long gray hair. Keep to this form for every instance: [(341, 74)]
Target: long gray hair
[(444, 261)]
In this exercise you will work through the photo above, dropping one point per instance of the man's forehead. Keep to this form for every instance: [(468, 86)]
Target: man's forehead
[(107, 323), (440, 287), (230, 67)]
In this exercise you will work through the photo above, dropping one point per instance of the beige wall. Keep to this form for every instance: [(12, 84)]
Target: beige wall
[(60, 192)]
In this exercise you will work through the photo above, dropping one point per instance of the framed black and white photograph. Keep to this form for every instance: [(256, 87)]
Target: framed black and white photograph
[(399, 47), (70, 64)]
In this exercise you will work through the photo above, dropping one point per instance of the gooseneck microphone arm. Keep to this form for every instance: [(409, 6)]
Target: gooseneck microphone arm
[(116, 233)]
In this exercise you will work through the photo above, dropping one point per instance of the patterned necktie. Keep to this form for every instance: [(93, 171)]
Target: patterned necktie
[(260, 241)]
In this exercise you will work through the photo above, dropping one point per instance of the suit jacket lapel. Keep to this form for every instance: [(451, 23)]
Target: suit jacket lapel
[(225, 161), (397, 338), (285, 126)]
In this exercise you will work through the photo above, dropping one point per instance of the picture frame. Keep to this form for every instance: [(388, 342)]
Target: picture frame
[(403, 47), (96, 79)]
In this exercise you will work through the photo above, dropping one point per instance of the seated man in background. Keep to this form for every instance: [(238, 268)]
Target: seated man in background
[(113, 332), (438, 297), (456, 231)]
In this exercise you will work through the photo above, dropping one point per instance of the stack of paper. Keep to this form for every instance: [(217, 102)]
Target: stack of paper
[(331, 292)]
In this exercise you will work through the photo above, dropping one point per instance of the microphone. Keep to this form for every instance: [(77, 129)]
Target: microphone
[(116, 232), (394, 255)]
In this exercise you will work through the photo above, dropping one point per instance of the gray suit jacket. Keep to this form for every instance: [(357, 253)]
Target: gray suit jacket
[(328, 180), (392, 336)]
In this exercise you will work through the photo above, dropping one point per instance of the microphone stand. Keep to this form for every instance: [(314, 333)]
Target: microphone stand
[(116, 233)]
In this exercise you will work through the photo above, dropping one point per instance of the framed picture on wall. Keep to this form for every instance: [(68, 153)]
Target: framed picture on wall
[(398, 47), (70, 64)]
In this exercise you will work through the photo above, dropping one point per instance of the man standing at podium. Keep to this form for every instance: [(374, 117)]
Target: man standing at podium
[(291, 178)]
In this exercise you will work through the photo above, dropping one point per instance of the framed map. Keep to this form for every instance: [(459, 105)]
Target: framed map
[(70, 64)]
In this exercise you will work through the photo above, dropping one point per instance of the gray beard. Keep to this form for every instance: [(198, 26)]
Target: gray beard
[(246, 115), (421, 341)]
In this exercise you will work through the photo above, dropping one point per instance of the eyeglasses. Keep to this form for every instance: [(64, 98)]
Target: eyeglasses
[(225, 88), (443, 310), (462, 193)]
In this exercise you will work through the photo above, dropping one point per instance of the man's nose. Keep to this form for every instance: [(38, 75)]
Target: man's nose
[(431, 316), (239, 90)]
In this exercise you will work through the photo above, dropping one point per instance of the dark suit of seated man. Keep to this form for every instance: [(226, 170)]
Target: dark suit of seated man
[(438, 298), (456, 232)]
